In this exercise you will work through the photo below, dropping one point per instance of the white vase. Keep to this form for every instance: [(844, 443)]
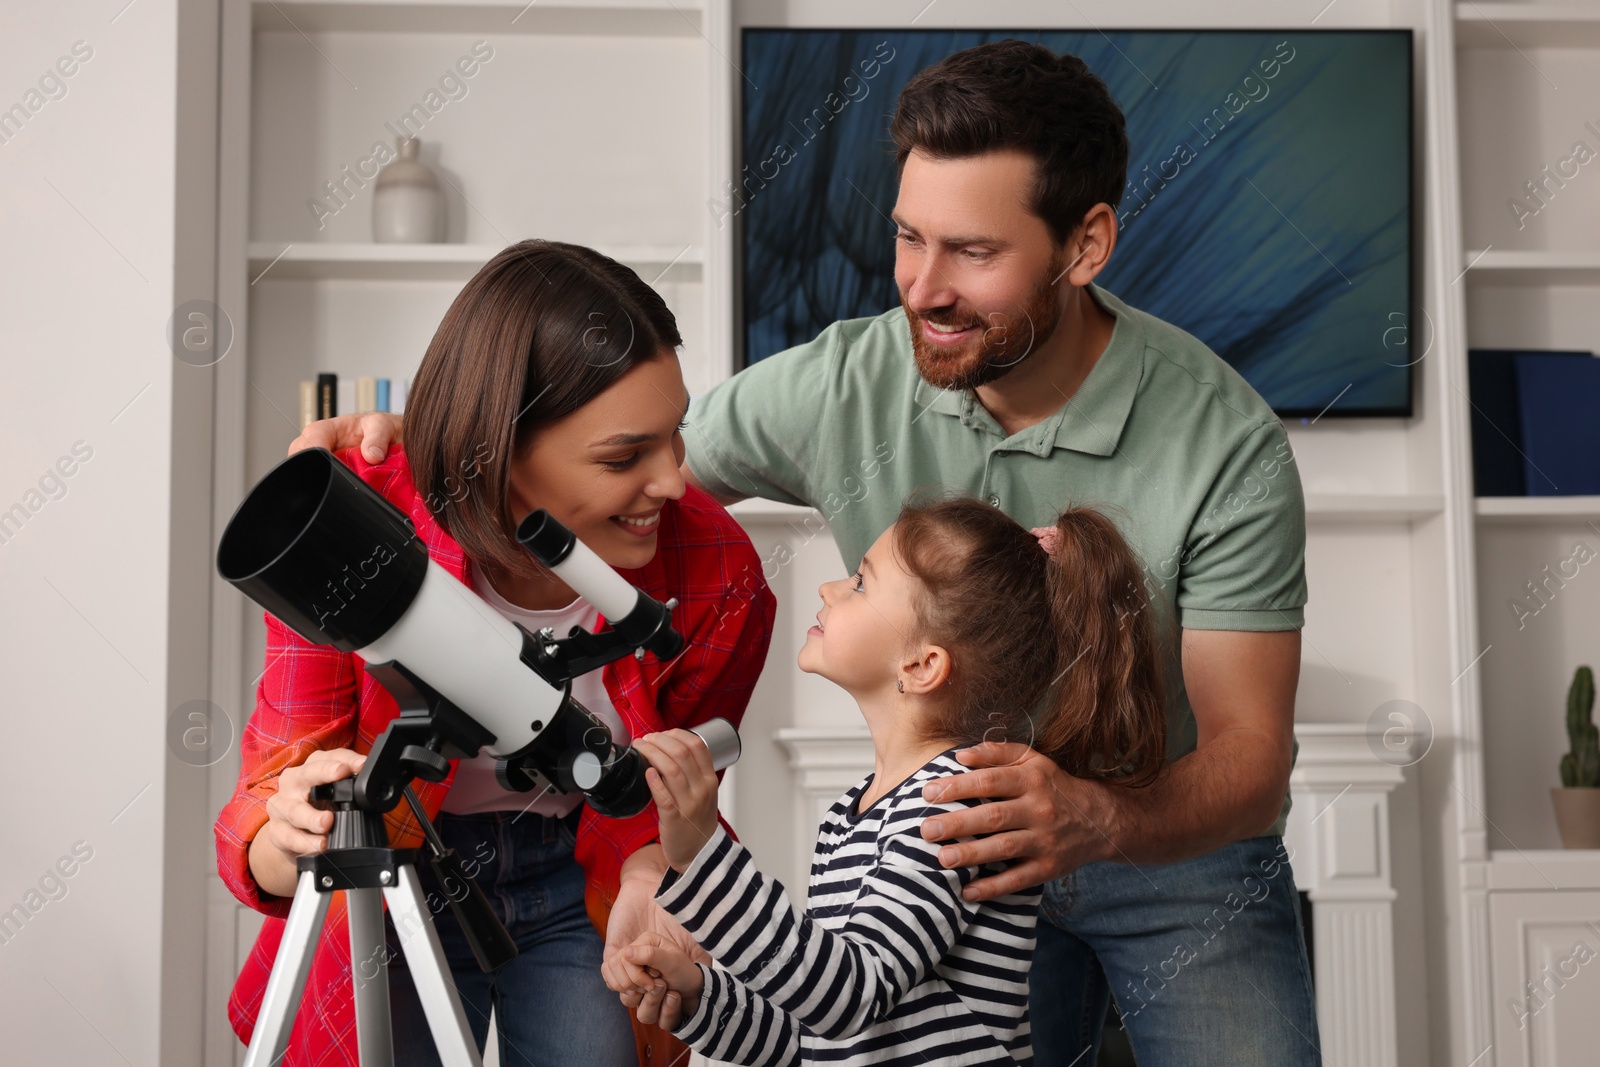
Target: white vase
[(407, 206)]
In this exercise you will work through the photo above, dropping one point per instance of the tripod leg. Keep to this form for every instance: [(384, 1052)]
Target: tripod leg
[(430, 972), (369, 956), (275, 1020)]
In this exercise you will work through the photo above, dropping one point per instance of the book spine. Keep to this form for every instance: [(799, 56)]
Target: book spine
[(383, 394), (366, 393), (347, 394), (308, 402), (327, 396), (397, 399)]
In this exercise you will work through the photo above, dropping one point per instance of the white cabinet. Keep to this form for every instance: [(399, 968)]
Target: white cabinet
[(1546, 952)]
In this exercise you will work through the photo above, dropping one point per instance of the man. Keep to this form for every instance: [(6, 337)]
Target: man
[(1007, 373)]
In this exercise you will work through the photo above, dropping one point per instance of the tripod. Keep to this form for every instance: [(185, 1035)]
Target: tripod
[(359, 861), (572, 752)]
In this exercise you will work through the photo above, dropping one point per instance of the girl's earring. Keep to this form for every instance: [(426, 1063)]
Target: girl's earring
[(900, 684)]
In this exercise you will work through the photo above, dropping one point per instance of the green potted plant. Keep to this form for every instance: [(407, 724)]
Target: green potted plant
[(1577, 802)]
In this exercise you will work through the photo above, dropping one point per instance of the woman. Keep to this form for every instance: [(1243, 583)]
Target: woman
[(551, 382)]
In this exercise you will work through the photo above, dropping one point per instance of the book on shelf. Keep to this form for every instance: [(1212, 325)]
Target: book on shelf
[(308, 403), (327, 396), (1560, 437), (1499, 438)]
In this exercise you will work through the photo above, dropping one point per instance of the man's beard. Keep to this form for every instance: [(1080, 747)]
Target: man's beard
[(1003, 341)]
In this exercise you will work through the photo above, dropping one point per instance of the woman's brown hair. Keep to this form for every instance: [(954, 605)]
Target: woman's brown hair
[(1055, 650), (542, 329)]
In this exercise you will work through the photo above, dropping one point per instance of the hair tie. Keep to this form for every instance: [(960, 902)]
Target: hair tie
[(1049, 539)]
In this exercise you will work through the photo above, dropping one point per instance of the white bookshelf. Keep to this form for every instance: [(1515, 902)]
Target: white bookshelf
[(1511, 107), (589, 123)]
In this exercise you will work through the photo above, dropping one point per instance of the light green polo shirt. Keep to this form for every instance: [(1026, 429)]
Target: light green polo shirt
[(1168, 440)]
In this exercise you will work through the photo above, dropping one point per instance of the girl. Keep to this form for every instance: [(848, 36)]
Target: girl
[(958, 622), (551, 382)]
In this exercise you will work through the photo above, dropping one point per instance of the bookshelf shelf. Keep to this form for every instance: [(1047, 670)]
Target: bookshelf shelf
[(1532, 268), (284, 260), (590, 18), (1540, 869), (1526, 26), (755, 509), (1370, 507), (1535, 509)]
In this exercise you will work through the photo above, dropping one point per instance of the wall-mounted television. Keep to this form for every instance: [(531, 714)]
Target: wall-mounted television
[(1268, 209)]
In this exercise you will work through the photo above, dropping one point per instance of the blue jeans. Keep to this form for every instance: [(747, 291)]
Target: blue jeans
[(552, 1008), (1205, 957)]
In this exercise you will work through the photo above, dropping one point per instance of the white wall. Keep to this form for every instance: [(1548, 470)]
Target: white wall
[(106, 225)]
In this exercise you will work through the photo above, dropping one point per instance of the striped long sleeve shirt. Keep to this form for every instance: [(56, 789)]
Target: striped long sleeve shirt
[(889, 965)]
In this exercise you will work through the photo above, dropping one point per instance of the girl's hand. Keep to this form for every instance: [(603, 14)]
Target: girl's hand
[(661, 1007), (655, 977), (684, 784)]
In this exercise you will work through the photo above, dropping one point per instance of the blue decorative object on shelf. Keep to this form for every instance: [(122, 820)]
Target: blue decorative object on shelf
[(1498, 466), (1556, 396)]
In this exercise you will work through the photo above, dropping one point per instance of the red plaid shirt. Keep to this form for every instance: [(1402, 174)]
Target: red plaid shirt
[(312, 697)]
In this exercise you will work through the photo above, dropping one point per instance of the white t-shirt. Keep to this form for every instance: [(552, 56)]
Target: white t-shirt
[(475, 788)]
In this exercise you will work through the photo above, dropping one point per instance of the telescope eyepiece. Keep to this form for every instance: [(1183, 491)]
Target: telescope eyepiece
[(549, 541)]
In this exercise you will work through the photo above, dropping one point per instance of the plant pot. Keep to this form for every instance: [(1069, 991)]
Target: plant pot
[(1578, 816)]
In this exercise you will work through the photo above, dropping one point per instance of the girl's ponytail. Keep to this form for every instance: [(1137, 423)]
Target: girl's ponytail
[(1103, 715), (1055, 650)]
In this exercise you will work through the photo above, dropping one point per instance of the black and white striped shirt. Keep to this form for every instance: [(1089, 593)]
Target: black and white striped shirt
[(888, 965)]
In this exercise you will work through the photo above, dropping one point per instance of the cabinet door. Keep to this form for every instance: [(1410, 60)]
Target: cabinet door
[(1546, 952)]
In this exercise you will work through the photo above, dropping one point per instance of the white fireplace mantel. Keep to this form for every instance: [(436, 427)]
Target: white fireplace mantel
[(1338, 834), (1339, 831)]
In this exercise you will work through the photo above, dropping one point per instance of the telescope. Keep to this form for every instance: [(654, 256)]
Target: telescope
[(340, 565), (326, 554)]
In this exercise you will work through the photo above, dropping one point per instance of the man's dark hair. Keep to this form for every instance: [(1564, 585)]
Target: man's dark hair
[(1015, 95)]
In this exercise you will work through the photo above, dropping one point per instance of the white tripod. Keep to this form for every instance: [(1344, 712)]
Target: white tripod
[(359, 861)]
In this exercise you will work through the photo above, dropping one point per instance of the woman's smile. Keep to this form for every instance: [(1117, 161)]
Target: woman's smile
[(639, 525)]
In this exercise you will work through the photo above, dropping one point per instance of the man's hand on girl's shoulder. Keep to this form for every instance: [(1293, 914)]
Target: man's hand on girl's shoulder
[(1040, 820)]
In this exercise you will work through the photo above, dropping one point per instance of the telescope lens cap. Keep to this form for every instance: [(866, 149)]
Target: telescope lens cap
[(587, 771)]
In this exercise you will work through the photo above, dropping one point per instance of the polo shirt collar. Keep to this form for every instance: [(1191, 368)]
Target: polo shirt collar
[(1092, 420)]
